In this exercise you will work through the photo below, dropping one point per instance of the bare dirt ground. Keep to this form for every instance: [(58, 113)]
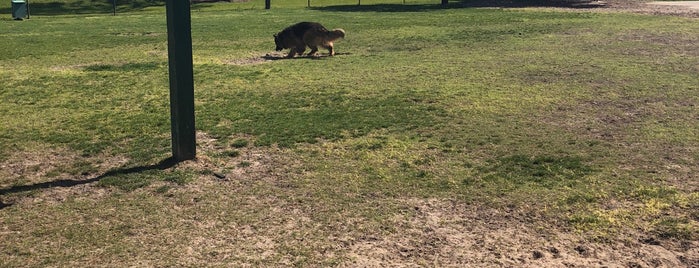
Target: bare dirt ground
[(644, 7), (687, 4), (635, 6)]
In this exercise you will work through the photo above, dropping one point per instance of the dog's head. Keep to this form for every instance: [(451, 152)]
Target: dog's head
[(278, 41)]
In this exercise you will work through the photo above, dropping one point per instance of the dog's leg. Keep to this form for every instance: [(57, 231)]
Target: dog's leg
[(313, 52), (291, 54), (300, 50), (296, 50), (329, 46)]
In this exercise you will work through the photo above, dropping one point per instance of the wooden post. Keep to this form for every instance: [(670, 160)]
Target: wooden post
[(179, 40)]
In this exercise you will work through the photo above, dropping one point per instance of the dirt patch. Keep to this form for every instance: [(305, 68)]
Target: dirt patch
[(62, 68), (42, 167), (444, 233), (684, 4), (636, 6), (257, 59), (227, 162), (44, 163), (246, 61), (39, 174), (645, 7)]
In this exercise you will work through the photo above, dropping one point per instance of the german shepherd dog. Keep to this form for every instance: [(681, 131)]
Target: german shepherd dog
[(312, 34)]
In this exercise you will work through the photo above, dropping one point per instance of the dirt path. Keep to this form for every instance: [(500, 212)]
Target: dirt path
[(680, 4), (675, 8)]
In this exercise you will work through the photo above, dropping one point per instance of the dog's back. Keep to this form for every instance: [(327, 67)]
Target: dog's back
[(292, 36), (302, 34), (321, 37), (301, 28)]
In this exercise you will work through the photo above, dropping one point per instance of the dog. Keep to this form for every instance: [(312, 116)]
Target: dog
[(307, 34)]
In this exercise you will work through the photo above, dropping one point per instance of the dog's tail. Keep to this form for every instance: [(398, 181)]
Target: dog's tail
[(335, 34)]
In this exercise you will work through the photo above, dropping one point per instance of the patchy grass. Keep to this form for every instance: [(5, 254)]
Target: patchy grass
[(467, 136)]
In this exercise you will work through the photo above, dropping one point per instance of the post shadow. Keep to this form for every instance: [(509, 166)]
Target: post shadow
[(162, 165)]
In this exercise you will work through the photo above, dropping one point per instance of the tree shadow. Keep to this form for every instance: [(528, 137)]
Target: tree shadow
[(85, 7), (162, 165), (579, 4)]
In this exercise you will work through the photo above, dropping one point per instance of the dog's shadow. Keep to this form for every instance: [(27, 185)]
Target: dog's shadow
[(275, 57)]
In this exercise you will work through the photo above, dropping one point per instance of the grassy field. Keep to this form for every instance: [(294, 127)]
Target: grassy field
[(435, 137)]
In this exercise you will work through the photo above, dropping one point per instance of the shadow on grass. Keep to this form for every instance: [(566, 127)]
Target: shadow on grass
[(85, 7), (581, 4), (165, 164), (123, 67), (270, 57)]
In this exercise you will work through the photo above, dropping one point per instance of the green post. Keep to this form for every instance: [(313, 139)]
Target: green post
[(179, 32)]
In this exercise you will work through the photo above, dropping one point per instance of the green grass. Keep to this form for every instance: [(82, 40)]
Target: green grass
[(560, 114)]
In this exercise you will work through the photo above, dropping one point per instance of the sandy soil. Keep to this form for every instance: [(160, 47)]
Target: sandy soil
[(666, 8)]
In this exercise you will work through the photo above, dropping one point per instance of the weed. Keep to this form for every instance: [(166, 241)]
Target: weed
[(163, 189), (232, 153), (179, 177), (676, 228), (239, 143), (244, 164), (548, 171)]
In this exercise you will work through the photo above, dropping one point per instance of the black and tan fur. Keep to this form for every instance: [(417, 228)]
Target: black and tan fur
[(307, 34)]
